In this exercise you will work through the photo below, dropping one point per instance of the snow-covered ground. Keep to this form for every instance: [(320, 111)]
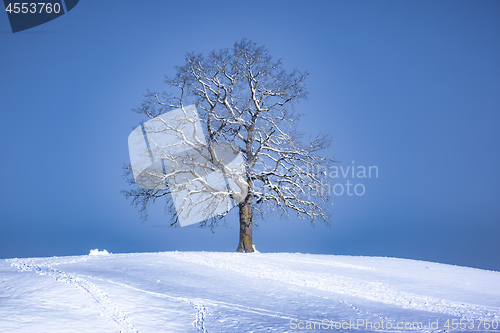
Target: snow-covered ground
[(233, 292)]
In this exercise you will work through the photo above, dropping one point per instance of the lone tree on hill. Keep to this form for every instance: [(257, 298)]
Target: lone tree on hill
[(245, 99)]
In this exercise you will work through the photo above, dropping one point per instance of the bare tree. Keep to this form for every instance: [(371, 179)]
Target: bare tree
[(245, 100)]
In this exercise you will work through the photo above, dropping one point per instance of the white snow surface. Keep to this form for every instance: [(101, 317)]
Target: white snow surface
[(96, 252), (235, 292)]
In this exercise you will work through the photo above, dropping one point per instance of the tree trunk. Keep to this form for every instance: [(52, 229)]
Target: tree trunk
[(246, 244)]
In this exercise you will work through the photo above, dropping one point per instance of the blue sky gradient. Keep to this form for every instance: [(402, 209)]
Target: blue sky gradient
[(411, 87)]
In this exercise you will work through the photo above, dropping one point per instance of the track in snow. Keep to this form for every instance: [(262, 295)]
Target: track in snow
[(106, 307)]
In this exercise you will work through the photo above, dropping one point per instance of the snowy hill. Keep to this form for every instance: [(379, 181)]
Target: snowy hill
[(232, 292)]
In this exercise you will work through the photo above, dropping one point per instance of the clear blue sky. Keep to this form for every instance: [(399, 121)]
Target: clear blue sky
[(412, 87)]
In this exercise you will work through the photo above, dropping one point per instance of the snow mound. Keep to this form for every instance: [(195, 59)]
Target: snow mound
[(96, 252), (192, 292)]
